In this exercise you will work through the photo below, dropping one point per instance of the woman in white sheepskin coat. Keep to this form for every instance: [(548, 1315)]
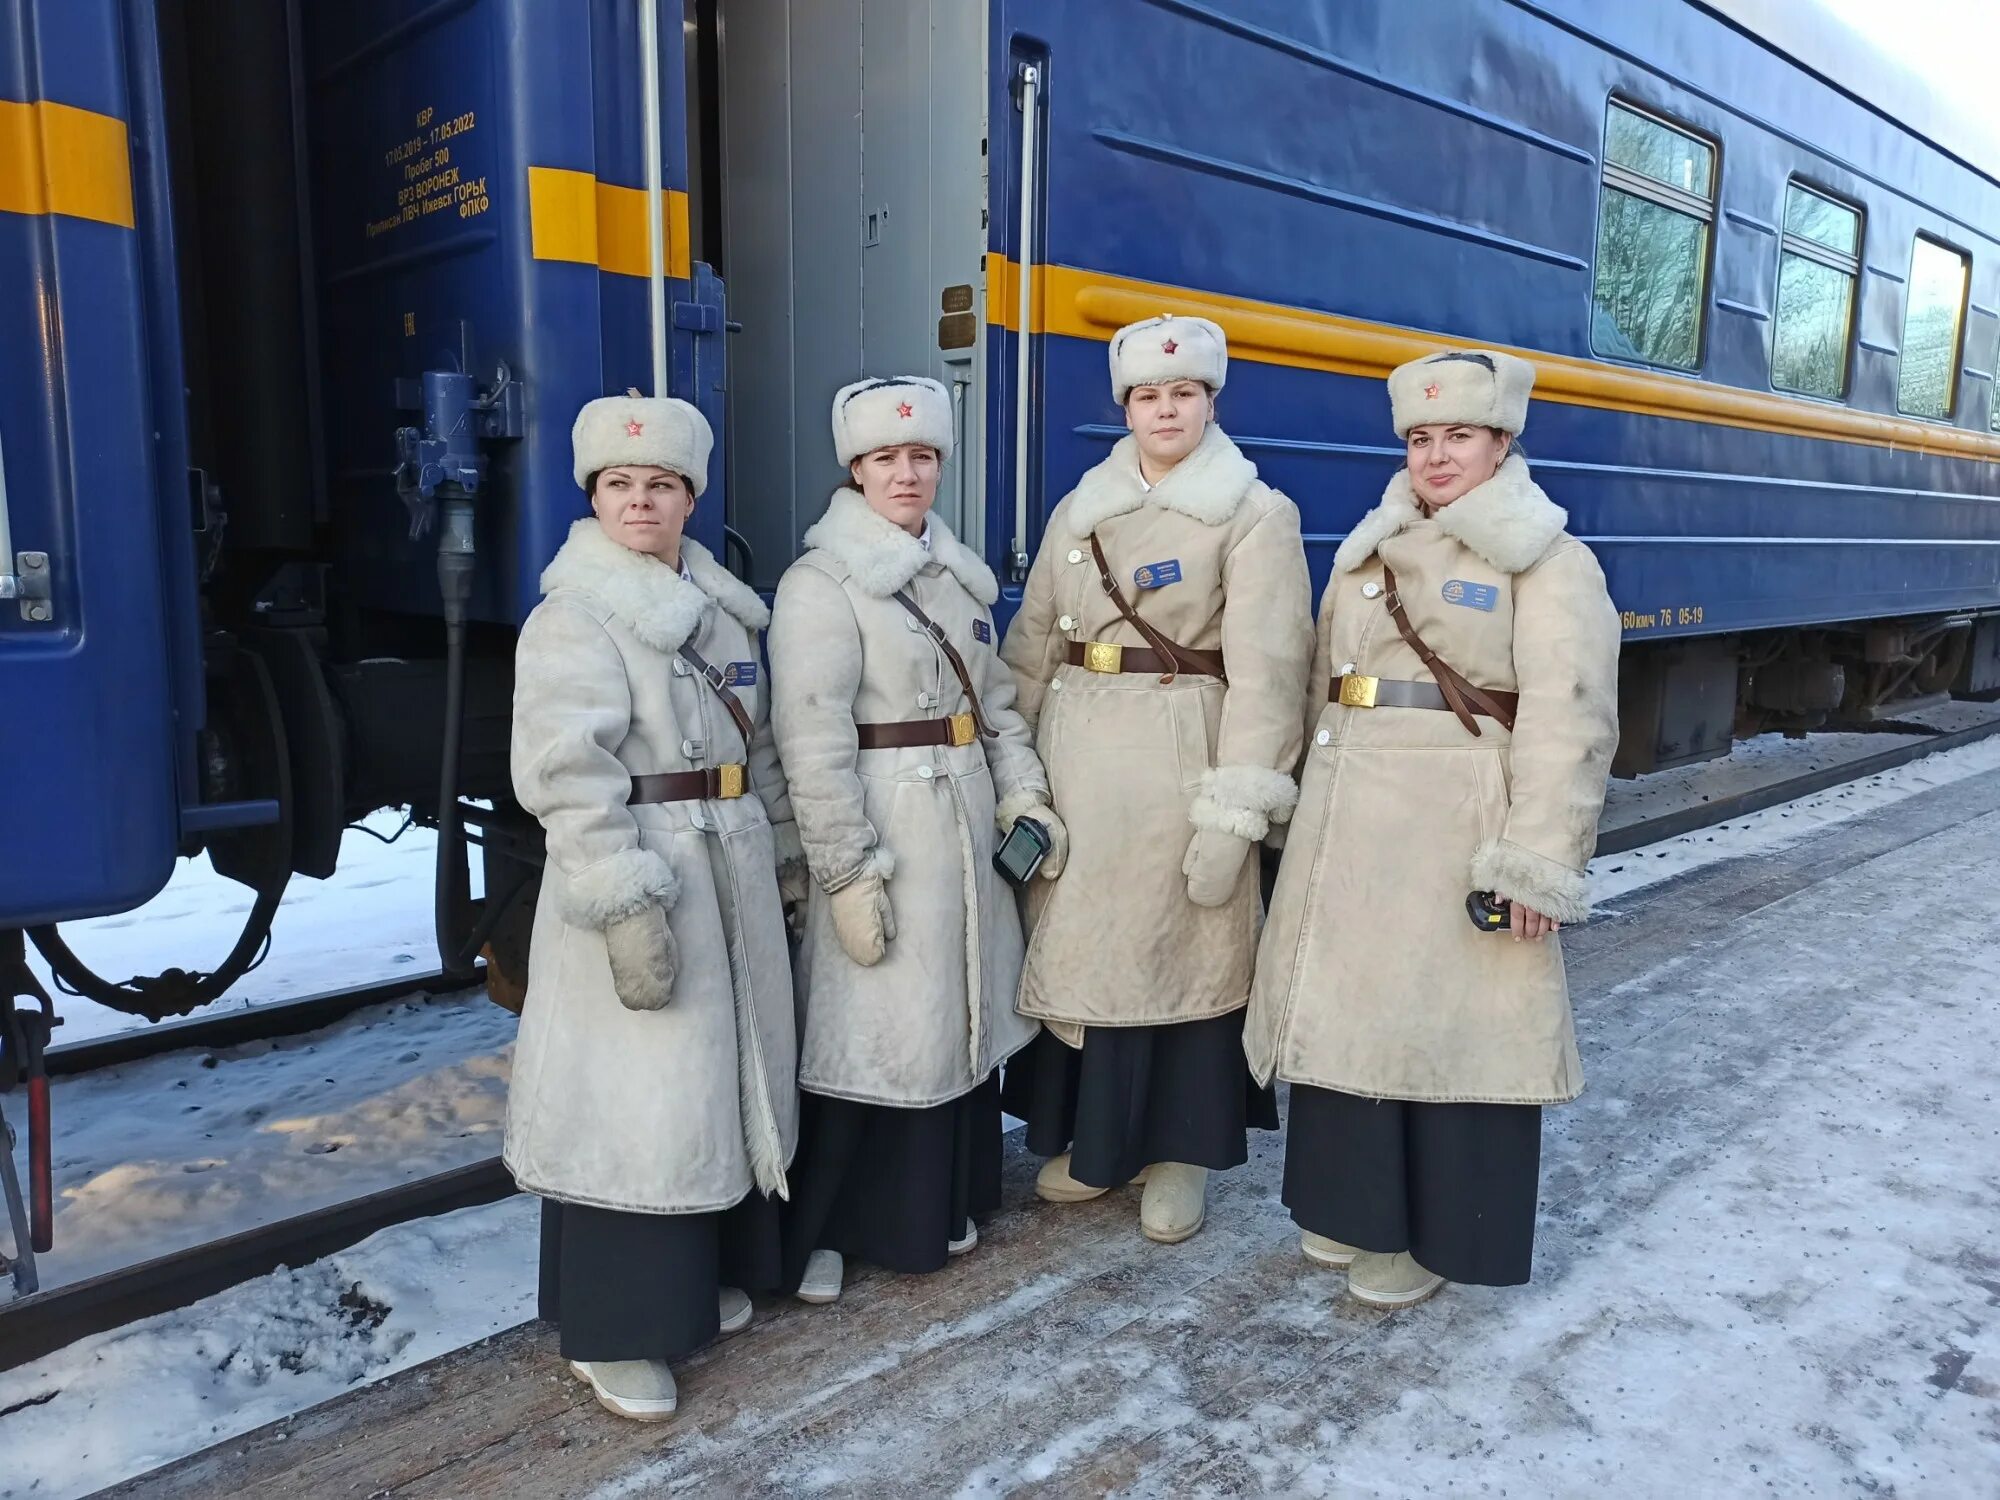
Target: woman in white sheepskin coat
[(653, 1102), (901, 783), (1139, 957), (1420, 1049)]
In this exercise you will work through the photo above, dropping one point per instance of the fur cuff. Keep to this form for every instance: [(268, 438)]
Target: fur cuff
[(1243, 800), (878, 860), (1520, 874), (618, 886), (1019, 805)]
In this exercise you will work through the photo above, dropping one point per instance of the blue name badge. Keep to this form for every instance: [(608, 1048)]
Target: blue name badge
[(740, 674), (1157, 575), (1471, 595), (981, 631)]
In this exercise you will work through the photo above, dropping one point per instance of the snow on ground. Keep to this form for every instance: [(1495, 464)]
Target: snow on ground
[(170, 1151), (370, 920), (176, 1150), (123, 1402)]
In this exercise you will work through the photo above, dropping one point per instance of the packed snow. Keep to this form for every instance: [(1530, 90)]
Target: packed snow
[(257, 1132)]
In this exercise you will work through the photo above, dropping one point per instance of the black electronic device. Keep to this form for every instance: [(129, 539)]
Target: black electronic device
[(1021, 853), (1488, 912)]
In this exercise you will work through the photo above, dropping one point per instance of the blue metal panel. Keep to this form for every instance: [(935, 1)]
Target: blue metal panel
[(1306, 155), (541, 85), (88, 804)]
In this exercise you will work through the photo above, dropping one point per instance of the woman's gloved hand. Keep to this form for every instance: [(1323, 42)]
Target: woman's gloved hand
[(1058, 855), (863, 919), (643, 959), (1214, 860)]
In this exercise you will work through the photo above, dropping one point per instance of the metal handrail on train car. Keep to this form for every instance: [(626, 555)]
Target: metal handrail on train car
[(1024, 259), (9, 582), (656, 288)]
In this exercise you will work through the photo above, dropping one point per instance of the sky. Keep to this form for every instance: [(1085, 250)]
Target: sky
[(1953, 44)]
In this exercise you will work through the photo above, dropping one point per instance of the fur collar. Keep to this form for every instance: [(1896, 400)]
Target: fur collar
[(881, 557), (1207, 485), (659, 606), (1507, 520)]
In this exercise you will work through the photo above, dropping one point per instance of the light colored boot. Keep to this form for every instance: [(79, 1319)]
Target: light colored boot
[(965, 1241), (641, 1389), (1175, 1201), (1054, 1184), (1390, 1280), (1325, 1252), (825, 1271), (734, 1306)]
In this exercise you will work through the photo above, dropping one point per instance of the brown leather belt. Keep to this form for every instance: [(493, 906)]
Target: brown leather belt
[(957, 729), (1105, 656), (1383, 692), (717, 782)]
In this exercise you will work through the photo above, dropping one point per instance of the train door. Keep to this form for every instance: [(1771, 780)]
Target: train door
[(853, 194)]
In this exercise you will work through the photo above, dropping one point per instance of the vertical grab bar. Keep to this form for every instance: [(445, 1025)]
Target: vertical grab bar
[(9, 584), (1024, 257), (649, 48)]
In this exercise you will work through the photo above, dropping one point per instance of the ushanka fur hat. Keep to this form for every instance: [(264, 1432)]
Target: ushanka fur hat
[(1157, 350), (873, 414), (659, 431), (1476, 387)]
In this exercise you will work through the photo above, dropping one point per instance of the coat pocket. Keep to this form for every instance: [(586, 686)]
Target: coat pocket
[(1197, 719)]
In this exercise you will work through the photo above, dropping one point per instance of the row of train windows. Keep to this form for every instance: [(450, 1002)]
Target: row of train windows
[(1650, 290)]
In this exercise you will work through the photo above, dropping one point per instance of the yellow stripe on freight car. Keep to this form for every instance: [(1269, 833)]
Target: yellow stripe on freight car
[(57, 159), (574, 217), (1093, 305)]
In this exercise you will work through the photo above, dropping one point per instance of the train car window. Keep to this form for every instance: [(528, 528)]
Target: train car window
[(1819, 268), (1650, 289), (1934, 320)]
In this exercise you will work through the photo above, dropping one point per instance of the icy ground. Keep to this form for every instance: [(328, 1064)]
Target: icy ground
[(1807, 1295)]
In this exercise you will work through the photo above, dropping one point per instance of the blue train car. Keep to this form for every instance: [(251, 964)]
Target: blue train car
[(312, 289)]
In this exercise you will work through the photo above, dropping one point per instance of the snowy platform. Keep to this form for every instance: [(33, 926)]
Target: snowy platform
[(1769, 1262)]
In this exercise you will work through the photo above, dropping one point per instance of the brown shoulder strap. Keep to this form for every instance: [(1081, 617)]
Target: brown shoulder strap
[(1457, 691), (715, 679), (936, 633), (1177, 656)]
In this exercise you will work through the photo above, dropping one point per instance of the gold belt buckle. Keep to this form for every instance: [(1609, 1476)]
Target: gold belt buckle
[(962, 729), (1358, 692), (1103, 656), (729, 781)]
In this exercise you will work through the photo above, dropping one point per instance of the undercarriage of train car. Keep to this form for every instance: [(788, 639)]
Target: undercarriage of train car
[(1687, 700)]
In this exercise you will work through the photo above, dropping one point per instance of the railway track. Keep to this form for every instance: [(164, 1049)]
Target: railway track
[(39, 1324)]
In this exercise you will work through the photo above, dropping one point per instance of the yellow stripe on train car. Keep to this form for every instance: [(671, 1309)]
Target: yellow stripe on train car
[(57, 159), (574, 217), (1093, 305)]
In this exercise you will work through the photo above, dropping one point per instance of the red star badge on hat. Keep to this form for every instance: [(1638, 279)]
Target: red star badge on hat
[(1431, 391), (904, 409), (633, 429), (1169, 347)]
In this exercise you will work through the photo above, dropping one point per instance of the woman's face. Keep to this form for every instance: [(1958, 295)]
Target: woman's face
[(1168, 420), (1447, 461), (899, 483), (643, 508)]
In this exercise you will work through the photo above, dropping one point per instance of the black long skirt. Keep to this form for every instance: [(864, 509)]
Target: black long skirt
[(1453, 1184), (644, 1286), (1135, 1095), (891, 1186)]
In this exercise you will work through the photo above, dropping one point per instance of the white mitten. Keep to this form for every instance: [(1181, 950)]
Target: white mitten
[(1214, 860), (643, 959), (863, 919)]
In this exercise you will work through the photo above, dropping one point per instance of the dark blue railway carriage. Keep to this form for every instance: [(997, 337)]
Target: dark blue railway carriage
[(298, 299)]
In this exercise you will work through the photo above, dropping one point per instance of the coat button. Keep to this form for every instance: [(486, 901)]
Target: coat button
[(1068, 622), (695, 820), (1347, 669), (1323, 738), (926, 772), (1055, 684), (926, 700), (1370, 590), (1075, 556)]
